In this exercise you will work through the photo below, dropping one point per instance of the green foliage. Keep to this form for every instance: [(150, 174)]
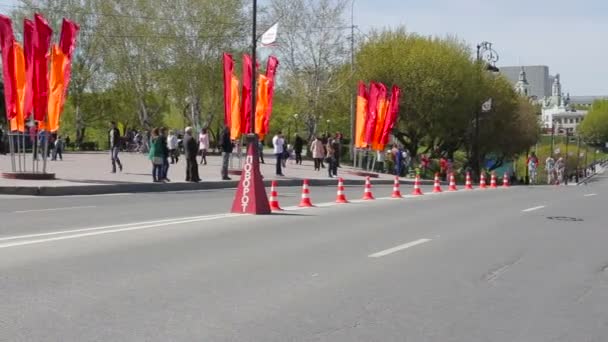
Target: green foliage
[(594, 127)]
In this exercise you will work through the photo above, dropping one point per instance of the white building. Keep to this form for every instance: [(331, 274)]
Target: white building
[(558, 113)]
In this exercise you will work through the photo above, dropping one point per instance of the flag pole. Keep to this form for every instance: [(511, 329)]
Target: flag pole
[(254, 41)]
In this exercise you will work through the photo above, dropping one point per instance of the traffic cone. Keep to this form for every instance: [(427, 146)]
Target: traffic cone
[(341, 197), (305, 202), (469, 184), (367, 194), (417, 191), (437, 185), (396, 190), (493, 184), (452, 183), (505, 181), (274, 197), (482, 181)]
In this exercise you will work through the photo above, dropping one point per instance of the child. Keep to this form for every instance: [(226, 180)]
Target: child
[(59, 145)]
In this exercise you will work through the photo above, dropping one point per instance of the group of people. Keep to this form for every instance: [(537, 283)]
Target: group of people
[(324, 150), (556, 170)]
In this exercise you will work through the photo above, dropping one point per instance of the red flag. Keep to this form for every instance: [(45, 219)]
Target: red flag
[(372, 119), (271, 70), (246, 95), (67, 44), (362, 113), (393, 114), (29, 35), (228, 67), (42, 44), (380, 117), (7, 40)]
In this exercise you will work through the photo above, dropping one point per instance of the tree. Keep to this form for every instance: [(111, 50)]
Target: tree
[(594, 128), (439, 82), (312, 50)]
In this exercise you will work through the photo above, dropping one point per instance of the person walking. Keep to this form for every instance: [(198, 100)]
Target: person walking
[(318, 151), (191, 150), (278, 144), (58, 151), (165, 154), (156, 155), (203, 145), (330, 158), (227, 148), (549, 167), (114, 134), (338, 149), (172, 145), (298, 146), (261, 150)]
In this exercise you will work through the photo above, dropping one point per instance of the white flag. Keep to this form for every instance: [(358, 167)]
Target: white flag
[(487, 106), (269, 38)]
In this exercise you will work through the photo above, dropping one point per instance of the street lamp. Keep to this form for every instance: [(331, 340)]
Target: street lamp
[(489, 56), (327, 127), (352, 72), (295, 119)]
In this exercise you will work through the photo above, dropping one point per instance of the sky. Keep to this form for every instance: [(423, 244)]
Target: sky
[(568, 36)]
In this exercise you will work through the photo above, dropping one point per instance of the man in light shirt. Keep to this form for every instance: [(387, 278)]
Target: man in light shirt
[(278, 143)]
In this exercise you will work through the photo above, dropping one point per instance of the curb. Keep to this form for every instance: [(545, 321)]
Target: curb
[(167, 187)]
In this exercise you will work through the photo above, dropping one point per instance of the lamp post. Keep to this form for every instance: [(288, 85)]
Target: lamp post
[(327, 127), (487, 55), (295, 120), (351, 147)]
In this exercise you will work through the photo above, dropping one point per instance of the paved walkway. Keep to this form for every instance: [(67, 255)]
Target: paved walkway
[(93, 169)]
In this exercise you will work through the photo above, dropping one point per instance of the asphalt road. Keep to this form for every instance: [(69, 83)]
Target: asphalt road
[(519, 264)]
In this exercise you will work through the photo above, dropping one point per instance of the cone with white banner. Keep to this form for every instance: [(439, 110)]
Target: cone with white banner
[(452, 186), (305, 202), (274, 197), (341, 197), (367, 194), (396, 190)]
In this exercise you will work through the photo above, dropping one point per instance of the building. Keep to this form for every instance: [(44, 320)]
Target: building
[(558, 112), (536, 75)]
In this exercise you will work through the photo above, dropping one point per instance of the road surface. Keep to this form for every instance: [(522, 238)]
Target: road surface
[(518, 264)]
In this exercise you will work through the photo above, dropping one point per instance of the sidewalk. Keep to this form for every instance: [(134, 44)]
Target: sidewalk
[(89, 173)]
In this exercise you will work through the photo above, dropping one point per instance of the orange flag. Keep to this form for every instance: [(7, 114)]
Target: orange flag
[(18, 122), (261, 107), (361, 117), (235, 122), (56, 87)]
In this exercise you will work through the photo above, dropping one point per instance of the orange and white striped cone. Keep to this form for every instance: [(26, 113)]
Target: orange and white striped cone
[(468, 185), (367, 193), (493, 184), (417, 191), (437, 185), (341, 197), (452, 186), (396, 190), (274, 197), (505, 181), (482, 181), (305, 202)]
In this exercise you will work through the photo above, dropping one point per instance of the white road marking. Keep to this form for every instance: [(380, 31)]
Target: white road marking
[(589, 195), (53, 209), (398, 248), (533, 208), (101, 231)]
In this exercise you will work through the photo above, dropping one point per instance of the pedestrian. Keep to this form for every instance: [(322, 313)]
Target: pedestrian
[(203, 145), (165, 154), (338, 145), (59, 146), (278, 144), (191, 151), (380, 158), (549, 167), (2, 141), (298, 146), (318, 151), (330, 158), (560, 170), (261, 150), (67, 141), (227, 148), (114, 134), (172, 144), (156, 155)]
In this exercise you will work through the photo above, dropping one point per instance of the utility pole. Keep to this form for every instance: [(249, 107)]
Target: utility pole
[(352, 72)]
